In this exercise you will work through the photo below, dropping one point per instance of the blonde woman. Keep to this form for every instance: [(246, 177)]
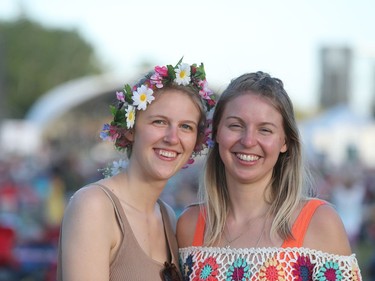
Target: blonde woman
[(257, 219)]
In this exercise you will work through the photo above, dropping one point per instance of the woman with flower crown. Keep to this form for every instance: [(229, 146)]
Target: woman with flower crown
[(258, 220), (118, 228)]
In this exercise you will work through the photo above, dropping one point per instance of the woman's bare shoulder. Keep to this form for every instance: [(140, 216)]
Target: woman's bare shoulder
[(88, 204), (89, 196), (326, 232), (89, 233)]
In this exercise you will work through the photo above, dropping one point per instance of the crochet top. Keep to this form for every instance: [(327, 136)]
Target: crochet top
[(291, 261)]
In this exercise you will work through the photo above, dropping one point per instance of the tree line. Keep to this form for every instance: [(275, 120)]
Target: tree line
[(34, 59)]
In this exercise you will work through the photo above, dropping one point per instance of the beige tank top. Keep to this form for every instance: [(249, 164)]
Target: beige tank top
[(131, 262)]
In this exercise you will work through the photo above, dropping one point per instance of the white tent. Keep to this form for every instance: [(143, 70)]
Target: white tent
[(335, 132)]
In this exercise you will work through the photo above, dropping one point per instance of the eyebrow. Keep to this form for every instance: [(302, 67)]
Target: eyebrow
[(165, 117), (262, 123), (269, 124)]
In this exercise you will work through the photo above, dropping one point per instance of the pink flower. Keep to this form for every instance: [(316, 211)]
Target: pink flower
[(157, 79), (205, 91), (189, 162), (120, 96), (113, 132), (162, 70)]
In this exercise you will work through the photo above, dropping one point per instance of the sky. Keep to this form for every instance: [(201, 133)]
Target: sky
[(282, 38)]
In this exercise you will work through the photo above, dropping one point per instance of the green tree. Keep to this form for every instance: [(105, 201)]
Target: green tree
[(34, 59)]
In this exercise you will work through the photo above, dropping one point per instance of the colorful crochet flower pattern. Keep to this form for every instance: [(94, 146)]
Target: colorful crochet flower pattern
[(238, 271), (207, 271), (330, 271), (303, 269), (272, 270)]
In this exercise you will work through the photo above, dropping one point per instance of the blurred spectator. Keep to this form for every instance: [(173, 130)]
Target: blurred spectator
[(370, 235), (8, 264), (348, 196), (55, 204)]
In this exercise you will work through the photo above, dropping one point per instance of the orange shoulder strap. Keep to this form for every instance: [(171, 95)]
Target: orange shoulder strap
[(199, 229), (302, 223)]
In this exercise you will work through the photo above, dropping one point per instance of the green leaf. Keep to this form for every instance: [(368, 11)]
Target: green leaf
[(201, 74), (179, 62), (128, 93), (113, 110), (171, 72)]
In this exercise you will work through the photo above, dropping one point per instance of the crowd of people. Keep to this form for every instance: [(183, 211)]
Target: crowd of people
[(34, 190)]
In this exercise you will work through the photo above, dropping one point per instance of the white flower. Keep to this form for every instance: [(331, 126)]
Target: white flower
[(142, 96), (183, 74), (117, 167), (130, 116)]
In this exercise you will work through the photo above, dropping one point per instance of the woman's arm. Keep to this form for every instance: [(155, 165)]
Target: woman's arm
[(87, 236), (326, 232)]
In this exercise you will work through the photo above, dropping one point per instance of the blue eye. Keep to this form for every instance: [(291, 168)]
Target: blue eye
[(159, 122), (187, 127)]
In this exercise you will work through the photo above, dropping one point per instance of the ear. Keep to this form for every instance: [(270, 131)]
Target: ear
[(129, 135), (284, 148)]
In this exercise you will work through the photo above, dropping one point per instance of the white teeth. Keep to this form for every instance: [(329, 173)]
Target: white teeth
[(247, 157), (168, 154)]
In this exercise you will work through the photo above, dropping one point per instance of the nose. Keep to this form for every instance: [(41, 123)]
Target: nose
[(248, 138), (171, 135)]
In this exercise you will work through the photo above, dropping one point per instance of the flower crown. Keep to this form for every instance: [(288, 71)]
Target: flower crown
[(135, 98)]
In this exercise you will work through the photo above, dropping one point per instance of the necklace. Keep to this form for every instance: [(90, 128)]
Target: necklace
[(229, 240)]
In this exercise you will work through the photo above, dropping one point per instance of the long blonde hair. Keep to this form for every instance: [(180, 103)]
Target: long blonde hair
[(286, 187)]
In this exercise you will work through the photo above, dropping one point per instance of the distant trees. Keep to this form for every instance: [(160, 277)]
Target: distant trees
[(34, 59)]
